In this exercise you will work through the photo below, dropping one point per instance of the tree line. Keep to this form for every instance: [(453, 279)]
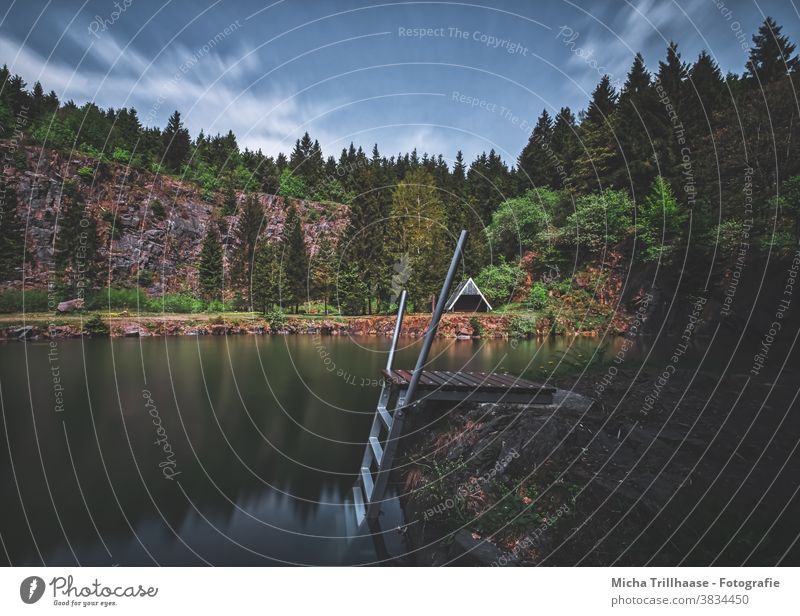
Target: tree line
[(680, 156)]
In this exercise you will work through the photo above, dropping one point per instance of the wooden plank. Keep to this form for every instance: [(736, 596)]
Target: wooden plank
[(509, 382), (465, 381), (436, 378), (490, 380)]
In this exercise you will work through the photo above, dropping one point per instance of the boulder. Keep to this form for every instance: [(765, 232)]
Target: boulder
[(70, 305)]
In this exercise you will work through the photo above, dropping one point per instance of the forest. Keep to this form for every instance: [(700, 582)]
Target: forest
[(682, 164)]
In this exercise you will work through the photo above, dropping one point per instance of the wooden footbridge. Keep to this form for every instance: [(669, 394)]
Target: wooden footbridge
[(405, 390)]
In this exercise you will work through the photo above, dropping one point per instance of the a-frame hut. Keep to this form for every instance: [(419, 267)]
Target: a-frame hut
[(467, 298)]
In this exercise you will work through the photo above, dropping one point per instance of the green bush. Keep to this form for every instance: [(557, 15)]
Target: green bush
[(517, 222), (500, 282), (86, 174), (537, 296), (96, 326), (216, 305), (117, 299), (276, 320), (121, 156), (600, 221), (176, 302), (291, 185), (35, 300), (522, 327)]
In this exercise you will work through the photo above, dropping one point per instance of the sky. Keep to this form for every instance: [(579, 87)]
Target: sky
[(436, 76)]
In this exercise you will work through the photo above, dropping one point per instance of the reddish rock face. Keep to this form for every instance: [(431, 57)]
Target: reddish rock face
[(159, 221)]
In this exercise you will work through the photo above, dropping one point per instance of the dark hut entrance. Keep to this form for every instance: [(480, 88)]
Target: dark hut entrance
[(467, 298)]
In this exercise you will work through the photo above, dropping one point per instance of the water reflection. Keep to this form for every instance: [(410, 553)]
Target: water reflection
[(264, 438)]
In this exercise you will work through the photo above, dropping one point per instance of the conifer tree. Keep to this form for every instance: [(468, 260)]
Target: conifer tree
[(210, 268), (637, 130), (772, 55), (566, 148), (248, 228), (534, 163), (268, 283), (294, 263), (323, 268), (600, 153), (660, 221), (176, 143)]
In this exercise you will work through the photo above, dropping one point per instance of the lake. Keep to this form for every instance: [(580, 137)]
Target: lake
[(205, 450)]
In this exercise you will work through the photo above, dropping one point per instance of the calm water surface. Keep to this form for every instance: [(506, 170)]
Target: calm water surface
[(258, 442)]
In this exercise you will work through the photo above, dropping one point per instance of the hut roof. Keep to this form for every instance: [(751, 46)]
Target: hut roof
[(466, 287)]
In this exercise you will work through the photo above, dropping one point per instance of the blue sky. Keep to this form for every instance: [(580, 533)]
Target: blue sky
[(438, 76)]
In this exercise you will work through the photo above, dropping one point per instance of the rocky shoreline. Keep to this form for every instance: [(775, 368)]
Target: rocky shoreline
[(119, 326)]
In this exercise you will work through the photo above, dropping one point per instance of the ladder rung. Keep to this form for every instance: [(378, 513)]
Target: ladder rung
[(387, 419), (377, 450), (366, 476), (358, 501)]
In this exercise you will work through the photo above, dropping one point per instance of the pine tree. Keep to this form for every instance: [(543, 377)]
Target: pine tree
[(351, 291), (229, 201), (771, 56), (248, 228), (268, 282), (566, 148), (708, 86), (603, 103), (672, 74), (295, 260), (177, 143), (323, 270), (637, 129), (600, 156), (534, 162), (660, 220), (210, 268)]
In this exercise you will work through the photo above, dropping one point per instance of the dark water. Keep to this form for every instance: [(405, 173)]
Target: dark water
[(259, 442)]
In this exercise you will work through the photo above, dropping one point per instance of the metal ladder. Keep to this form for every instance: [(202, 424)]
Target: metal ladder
[(376, 465), (387, 426)]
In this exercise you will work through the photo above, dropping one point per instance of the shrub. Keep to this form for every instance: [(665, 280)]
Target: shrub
[(35, 300), (500, 282), (96, 326), (276, 320), (522, 327), (600, 220), (291, 185), (216, 305), (477, 328), (537, 297), (116, 298), (176, 302), (121, 156), (86, 174), (517, 222)]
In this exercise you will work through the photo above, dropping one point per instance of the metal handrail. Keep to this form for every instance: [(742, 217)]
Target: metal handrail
[(437, 316), (401, 308)]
